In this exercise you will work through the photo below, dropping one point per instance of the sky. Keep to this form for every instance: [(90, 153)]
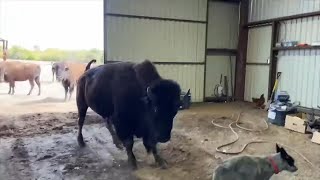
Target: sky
[(63, 24)]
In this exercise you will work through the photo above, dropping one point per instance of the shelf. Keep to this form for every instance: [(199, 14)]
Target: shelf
[(295, 48)]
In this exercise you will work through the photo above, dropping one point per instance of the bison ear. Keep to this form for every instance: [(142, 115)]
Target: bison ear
[(278, 148)]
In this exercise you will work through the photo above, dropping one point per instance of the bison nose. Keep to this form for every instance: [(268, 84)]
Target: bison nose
[(164, 139)]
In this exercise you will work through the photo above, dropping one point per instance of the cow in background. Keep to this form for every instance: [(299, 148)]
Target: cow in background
[(70, 75), (11, 71), (57, 69)]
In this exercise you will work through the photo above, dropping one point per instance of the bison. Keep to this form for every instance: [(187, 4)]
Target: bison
[(134, 100), (11, 71), (57, 69), (70, 75)]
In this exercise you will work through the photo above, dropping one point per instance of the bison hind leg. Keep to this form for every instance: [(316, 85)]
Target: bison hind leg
[(82, 111), (115, 138), (37, 80), (31, 86)]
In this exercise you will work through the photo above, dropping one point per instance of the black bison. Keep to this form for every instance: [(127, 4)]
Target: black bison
[(70, 75), (134, 100), (57, 69)]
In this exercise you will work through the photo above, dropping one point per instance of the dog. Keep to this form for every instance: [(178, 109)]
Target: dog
[(255, 167)]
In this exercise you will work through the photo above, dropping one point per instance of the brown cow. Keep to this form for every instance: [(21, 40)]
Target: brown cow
[(11, 71), (71, 74)]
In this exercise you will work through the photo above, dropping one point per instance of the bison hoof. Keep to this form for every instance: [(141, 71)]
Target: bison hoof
[(133, 165), (119, 146), (162, 163), (81, 142)]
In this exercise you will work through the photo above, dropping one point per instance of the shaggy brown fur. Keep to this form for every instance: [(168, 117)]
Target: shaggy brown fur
[(11, 71), (71, 74)]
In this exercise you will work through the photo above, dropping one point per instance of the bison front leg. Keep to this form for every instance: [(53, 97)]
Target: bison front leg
[(71, 89), (128, 143), (11, 87), (151, 147), (65, 92)]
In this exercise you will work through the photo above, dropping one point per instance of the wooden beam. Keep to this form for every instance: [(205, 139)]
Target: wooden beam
[(285, 18), (205, 54), (165, 63), (105, 30), (154, 18), (241, 57), (226, 1), (273, 57), (222, 51)]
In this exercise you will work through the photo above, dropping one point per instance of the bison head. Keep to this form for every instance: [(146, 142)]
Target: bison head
[(58, 68), (165, 99)]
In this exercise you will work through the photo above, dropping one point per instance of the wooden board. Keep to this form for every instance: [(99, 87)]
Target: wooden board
[(316, 137), (295, 123)]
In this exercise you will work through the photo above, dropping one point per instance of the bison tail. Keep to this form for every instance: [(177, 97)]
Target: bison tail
[(89, 64)]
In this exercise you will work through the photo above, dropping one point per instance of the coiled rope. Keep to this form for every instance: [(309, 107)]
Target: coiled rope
[(251, 142)]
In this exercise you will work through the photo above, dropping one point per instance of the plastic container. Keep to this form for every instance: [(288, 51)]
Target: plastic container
[(276, 115)]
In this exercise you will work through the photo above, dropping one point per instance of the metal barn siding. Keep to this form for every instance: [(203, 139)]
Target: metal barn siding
[(301, 76), (161, 41), (178, 9), (304, 30), (217, 65), (257, 79), (188, 76), (169, 31), (267, 9), (223, 25), (259, 44), (257, 68), (300, 68)]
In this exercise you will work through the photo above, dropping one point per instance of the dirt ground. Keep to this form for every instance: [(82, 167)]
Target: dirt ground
[(38, 141)]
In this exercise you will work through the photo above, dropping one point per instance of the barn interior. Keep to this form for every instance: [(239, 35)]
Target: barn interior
[(248, 70)]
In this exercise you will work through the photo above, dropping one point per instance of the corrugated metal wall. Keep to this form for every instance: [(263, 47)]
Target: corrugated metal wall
[(178, 9), (223, 25), (301, 76), (300, 68), (257, 68), (267, 9), (257, 80), (136, 39), (188, 76)]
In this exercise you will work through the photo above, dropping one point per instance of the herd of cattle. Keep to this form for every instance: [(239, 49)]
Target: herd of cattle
[(132, 98), (65, 72)]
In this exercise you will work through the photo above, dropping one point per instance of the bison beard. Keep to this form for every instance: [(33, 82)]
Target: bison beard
[(134, 101)]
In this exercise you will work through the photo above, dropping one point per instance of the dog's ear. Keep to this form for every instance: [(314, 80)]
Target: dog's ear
[(278, 148)]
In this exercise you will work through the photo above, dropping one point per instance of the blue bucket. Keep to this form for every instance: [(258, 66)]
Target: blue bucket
[(277, 116)]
